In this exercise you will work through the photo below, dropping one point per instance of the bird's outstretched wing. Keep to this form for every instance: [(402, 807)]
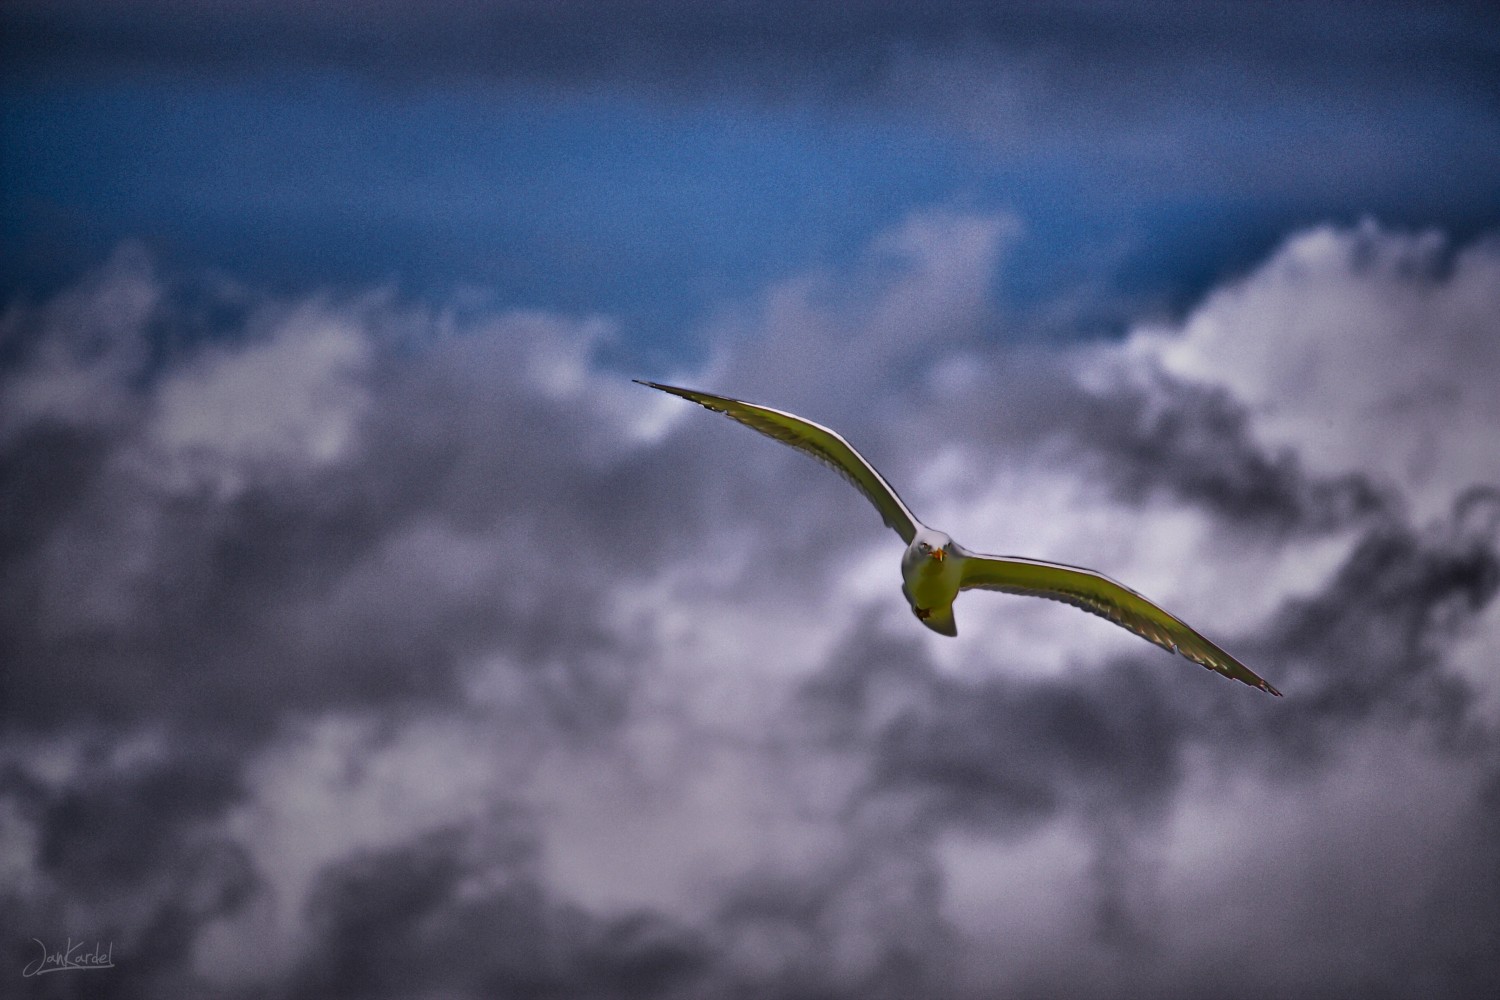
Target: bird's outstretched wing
[(815, 440), (1098, 594)]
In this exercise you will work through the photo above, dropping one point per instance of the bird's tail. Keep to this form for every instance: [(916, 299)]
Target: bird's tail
[(941, 621)]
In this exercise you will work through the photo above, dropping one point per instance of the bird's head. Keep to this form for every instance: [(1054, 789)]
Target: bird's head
[(931, 544)]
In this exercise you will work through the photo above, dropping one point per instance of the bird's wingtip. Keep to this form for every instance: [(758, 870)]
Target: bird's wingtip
[(1267, 687)]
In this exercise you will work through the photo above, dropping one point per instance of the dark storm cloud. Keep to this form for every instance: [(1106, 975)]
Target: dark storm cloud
[(389, 921), (171, 611), (1200, 448), (397, 920), (1165, 436), (996, 753), (217, 636), (42, 474), (1373, 642)]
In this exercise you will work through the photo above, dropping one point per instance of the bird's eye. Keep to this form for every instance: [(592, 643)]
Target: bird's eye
[(924, 546)]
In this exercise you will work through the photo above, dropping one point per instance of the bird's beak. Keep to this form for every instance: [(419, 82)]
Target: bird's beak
[(938, 554)]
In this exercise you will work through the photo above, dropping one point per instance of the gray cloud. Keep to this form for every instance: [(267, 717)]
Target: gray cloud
[(368, 651), (402, 918), (1118, 751)]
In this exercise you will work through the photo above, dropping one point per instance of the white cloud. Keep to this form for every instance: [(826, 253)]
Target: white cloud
[(290, 399), (825, 341), (606, 623), (1366, 350)]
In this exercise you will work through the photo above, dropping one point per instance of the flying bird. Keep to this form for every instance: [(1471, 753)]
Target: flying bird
[(935, 568)]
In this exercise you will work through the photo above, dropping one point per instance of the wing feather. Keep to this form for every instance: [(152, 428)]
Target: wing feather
[(1098, 594), (812, 439)]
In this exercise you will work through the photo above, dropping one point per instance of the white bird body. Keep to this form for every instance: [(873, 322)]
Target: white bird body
[(934, 568), (932, 584)]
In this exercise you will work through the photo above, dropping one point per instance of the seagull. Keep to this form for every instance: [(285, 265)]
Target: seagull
[(935, 568)]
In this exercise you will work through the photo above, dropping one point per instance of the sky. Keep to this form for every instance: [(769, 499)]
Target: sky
[(369, 634)]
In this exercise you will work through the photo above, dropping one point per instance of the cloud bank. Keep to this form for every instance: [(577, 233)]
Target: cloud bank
[(364, 648)]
